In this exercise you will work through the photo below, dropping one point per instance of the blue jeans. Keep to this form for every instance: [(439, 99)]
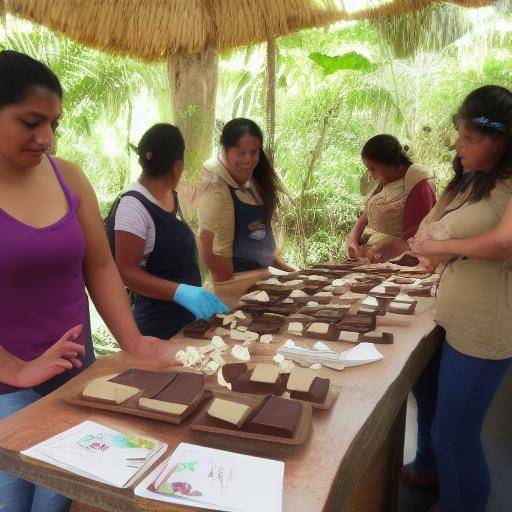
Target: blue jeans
[(454, 394), (17, 495)]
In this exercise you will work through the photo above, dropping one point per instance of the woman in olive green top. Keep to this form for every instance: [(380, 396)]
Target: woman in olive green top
[(474, 307)]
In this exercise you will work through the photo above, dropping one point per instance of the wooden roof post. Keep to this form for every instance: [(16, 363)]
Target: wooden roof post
[(193, 85)]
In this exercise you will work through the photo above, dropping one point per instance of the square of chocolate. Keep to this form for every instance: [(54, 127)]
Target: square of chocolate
[(149, 381), (267, 323), (229, 411), (331, 313), (349, 336), (401, 308), (196, 329), (231, 371), (377, 337), (358, 323), (245, 384), (322, 331), (265, 372), (102, 390), (278, 416), (317, 392), (300, 379), (184, 389)]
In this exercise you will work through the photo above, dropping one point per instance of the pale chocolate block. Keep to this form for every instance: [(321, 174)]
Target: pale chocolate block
[(104, 391), (401, 308), (265, 372), (349, 336), (295, 327), (403, 297), (323, 294), (370, 301), (232, 412), (318, 328), (160, 406), (379, 290), (297, 293), (300, 379)]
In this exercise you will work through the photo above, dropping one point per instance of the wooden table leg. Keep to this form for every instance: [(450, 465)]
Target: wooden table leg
[(81, 507), (377, 490)]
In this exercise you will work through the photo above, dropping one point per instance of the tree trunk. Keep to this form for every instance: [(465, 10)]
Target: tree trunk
[(271, 99), (193, 84)]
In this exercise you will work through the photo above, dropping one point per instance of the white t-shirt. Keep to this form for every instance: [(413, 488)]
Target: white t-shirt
[(132, 217)]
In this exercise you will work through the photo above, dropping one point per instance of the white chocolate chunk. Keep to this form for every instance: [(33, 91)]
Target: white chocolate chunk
[(298, 293), (349, 336), (295, 327), (241, 353), (323, 294), (318, 328), (370, 301), (266, 338), (161, 406)]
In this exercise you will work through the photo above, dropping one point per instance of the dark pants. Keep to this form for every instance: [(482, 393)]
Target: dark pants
[(454, 393)]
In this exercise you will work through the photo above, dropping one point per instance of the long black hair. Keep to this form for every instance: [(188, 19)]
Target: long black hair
[(264, 174), (386, 149), (20, 73), (488, 110), (159, 149)]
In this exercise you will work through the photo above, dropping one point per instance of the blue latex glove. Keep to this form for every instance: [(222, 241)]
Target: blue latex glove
[(200, 302)]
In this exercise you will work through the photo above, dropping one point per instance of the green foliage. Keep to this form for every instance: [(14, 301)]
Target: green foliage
[(351, 60)]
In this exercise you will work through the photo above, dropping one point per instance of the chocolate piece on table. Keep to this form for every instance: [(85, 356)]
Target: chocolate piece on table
[(279, 309), (232, 371), (196, 329), (232, 412), (403, 280), (317, 392), (184, 389), (277, 416), (361, 288), (420, 292), (266, 373), (358, 323), (151, 382), (322, 331), (267, 323), (349, 336), (377, 337), (402, 308), (330, 314), (244, 384)]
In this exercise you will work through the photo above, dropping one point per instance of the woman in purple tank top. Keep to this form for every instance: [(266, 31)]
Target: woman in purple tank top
[(52, 248)]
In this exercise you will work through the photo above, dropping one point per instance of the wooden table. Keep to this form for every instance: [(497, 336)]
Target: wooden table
[(349, 463)]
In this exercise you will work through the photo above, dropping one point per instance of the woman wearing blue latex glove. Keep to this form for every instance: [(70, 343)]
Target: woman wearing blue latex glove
[(154, 248)]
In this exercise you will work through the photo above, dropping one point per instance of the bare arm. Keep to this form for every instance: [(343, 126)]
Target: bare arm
[(220, 267), (354, 237), (102, 278), (129, 252), (281, 264), (495, 244)]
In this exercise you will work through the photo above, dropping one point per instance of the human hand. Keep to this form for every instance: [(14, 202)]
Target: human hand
[(63, 355), (425, 247), (200, 302), (355, 251)]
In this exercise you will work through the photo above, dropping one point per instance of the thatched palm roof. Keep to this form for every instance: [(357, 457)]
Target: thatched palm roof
[(155, 29)]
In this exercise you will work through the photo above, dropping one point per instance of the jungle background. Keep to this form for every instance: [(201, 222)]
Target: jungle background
[(335, 88)]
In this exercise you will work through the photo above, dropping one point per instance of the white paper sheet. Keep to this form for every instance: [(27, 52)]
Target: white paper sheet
[(217, 480), (99, 453)]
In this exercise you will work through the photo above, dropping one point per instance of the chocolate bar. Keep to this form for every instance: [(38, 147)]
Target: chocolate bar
[(232, 371), (332, 313), (317, 392), (277, 416), (184, 389), (151, 382), (377, 337), (267, 323), (244, 384), (322, 331), (358, 323), (196, 329)]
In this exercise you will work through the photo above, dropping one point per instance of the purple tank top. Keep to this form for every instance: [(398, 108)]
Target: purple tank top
[(42, 290)]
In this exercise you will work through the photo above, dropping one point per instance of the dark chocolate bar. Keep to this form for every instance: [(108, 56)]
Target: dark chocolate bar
[(184, 389), (151, 382), (317, 392), (277, 416), (243, 384)]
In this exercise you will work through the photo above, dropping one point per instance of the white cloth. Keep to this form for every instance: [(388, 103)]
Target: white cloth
[(132, 217)]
